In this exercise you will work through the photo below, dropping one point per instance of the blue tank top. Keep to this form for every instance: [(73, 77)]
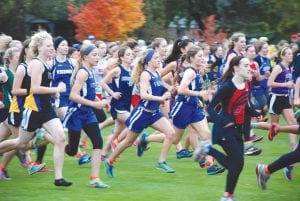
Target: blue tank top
[(156, 88), (195, 85), (282, 77), (62, 72), (122, 84), (264, 66), (87, 91)]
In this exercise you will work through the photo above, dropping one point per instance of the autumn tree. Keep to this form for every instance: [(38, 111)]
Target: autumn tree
[(211, 32), (107, 19)]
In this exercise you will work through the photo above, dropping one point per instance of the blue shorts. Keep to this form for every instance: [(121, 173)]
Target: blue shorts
[(183, 114), (75, 118), (140, 119), (62, 101), (114, 111)]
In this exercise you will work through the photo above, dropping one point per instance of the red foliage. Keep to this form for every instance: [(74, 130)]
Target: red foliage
[(107, 19), (209, 33)]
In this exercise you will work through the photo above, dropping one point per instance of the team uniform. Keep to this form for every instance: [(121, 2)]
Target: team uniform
[(279, 96), (80, 116), (38, 108), (147, 111), (7, 95), (62, 72), (260, 90), (17, 104), (186, 108), (124, 85), (234, 107)]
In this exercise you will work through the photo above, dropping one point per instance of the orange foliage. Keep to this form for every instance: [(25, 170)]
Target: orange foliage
[(107, 19), (209, 33)]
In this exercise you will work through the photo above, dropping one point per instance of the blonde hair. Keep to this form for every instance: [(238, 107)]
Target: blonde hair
[(234, 38), (9, 53), (37, 41), (137, 71), (5, 40)]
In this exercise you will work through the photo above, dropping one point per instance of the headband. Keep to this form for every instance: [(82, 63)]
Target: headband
[(57, 41), (88, 49), (282, 51), (149, 56)]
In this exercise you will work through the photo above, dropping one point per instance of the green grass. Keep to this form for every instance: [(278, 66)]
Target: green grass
[(137, 179)]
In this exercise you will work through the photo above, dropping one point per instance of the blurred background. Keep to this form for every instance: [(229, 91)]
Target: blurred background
[(110, 20)]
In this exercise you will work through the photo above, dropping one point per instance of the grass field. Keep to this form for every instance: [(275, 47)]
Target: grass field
[(136, 179)]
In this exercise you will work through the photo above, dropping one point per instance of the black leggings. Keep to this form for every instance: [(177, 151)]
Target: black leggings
[(233, 145), (247, 127), (93, 132), (285, 160)]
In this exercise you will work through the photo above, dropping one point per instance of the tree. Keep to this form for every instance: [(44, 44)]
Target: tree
[(155, 25), (107, 20), (248, 16), (284, 17), (210, 33)]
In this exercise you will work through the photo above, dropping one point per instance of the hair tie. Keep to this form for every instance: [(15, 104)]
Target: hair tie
[(149, 56), (89, 49)]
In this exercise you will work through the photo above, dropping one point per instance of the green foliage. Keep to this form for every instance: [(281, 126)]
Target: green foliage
[(284, 16), (155, 13)]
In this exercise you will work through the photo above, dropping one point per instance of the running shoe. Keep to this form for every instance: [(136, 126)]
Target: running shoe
[(255, 138), (202, 163), (214, 169), (184, 153), (62, 182), (272, 131), (84, 159), (165, 167), (96, 183), (141, 145), (4, 175), (262, 176), (35, 168), (201, 151), (225, 198), (288, 172), (252, 151), (109, 169)]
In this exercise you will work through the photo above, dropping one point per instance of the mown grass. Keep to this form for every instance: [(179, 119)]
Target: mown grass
[(136, 179)]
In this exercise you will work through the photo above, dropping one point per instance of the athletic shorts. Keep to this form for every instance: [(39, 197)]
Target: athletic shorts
[(75, 118), (278, 103), (15, 119), (184, 114), (3, 114), (62, 101), (32, 120), (114, 111), (140, 119)]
